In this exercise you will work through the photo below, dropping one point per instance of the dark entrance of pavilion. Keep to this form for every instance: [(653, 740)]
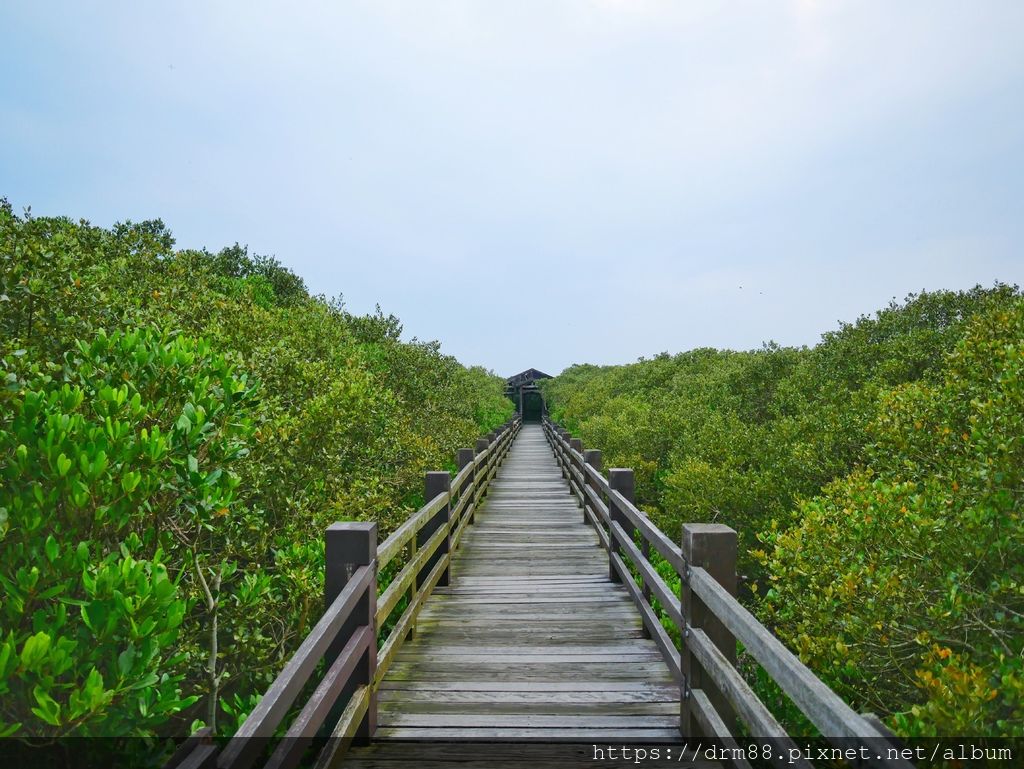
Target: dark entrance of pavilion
[(533, 405), (522, 389)]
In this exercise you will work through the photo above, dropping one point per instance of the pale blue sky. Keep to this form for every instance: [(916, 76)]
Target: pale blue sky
[(543, 183)]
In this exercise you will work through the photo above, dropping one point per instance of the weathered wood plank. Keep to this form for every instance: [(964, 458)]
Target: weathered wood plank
[(461, 720), (531, 639), (667, 695), (603, 734), (540, 707)]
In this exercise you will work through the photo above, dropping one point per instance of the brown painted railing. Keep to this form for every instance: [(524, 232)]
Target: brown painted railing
[(342, 708), (711, 622)]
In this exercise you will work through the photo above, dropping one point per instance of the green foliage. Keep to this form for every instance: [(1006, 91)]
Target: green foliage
[(162, 514), (905, 579), (740, 437), (124, 449), (882, 470)]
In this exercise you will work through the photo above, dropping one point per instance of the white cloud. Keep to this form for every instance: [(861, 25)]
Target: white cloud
[(373, 145)]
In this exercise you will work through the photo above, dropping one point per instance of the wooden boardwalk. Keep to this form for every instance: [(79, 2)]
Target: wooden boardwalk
[(509, 645), (531, 640)]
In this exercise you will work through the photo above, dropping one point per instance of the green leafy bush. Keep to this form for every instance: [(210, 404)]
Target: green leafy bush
[(905, 579), (112, 468), (874, 481), (182, 497)]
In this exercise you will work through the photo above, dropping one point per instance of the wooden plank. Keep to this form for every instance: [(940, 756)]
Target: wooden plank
[(202, 756), (520, 685), (666, 695), (442, 649), (575, 754), (669, 602), (440, 670), (531, 634), (400, 584), (509, 657), (653, 624), (669, 550), (463, 523), (401, 629), (478, 752), (461, 477), (461, 603), (196, 743), (543, 707), (604, 734), (519, 720), (532, 589)]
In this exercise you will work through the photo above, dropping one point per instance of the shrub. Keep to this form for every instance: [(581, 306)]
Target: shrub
[(182, 474), (114, 468), (904, 583), (881, 468)]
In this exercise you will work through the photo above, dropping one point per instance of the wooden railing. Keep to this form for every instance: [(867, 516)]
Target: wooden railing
[(714, 695), (342, 708)]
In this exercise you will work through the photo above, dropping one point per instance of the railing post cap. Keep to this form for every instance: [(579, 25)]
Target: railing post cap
[(366, 526), (691, 529)]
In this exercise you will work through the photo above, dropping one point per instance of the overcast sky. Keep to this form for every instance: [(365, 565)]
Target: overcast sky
[(543, 183)]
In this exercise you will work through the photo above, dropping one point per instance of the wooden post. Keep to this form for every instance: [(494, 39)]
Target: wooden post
[(591, 457), (576, 444), (435, 483), (347, 547), (565, 436), (492, 458), (499, 436), (480, 471), (463, 458), (620, 480), (711, 546)]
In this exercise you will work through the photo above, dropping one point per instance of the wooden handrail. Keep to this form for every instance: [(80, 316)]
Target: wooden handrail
[(400, 537), (394, 591), (825, 709), (715, 611), (353, 620), (406, 621), (273, 706), (306, 725)]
